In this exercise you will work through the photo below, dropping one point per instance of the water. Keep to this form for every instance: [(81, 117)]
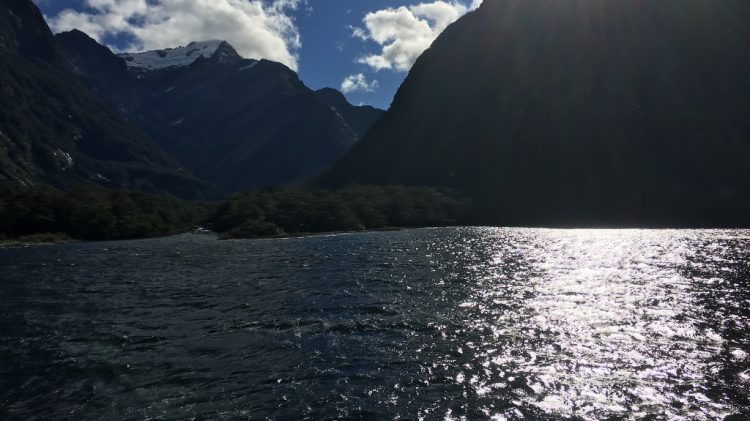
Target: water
[(424, 324)]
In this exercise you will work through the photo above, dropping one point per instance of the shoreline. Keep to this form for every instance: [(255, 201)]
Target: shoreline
[(53, 239), (220, 237), (28, 242), (6, 244)]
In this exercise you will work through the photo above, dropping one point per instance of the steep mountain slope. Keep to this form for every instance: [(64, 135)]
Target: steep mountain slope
[(236, 122), (53, 130), (23, 31), (103, 72), (359, 118), (242, 123), (582, 112)]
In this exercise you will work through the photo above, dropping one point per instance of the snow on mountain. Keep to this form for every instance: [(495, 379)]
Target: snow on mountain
[(172, 57)]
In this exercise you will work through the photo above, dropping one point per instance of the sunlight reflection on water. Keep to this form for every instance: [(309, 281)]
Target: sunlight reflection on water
[(450, 323), (607, 323)]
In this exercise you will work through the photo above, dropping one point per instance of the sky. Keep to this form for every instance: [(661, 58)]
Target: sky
[(364, 48)]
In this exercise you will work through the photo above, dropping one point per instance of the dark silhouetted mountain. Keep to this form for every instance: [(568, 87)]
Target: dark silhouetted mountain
[(236, 122), (359, 118), (53, 130), (24, 32), (577, 112), (106, 74)]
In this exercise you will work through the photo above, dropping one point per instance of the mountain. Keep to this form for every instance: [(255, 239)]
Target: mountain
[(577, 112), (359, 118), (55, 131), (103, 72), (238, 123), (23, 31), (180, 56)]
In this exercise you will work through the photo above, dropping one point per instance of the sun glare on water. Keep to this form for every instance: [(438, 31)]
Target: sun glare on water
[(447, 323), (599, 324)]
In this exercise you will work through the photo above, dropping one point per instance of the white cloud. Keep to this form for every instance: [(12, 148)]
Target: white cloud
[(255, 28), (404, 33), (358, 82)]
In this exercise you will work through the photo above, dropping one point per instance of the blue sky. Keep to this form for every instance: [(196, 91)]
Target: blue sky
[(370, 43)]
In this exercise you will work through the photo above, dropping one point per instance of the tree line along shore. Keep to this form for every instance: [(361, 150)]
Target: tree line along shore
[(49, 215)]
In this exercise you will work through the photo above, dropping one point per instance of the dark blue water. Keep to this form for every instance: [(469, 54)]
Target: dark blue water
[(424, 324)]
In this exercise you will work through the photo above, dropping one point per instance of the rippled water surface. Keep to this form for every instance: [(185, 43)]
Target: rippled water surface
[(427, 324)]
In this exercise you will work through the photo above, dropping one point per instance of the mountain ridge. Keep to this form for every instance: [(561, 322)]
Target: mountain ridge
[(359, 117), (239, 123), (577, 113), (54, 130), (177, 56)]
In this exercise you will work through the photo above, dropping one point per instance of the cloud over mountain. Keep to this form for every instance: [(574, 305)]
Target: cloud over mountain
[(257, 29), (404, 33), (358, 82)]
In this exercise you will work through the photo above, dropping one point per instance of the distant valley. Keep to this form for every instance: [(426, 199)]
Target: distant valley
[(235, 122)]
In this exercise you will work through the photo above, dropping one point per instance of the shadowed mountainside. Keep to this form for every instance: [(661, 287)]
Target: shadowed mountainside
[(359, 118), (577, 112), (236, 122), (54, 130)]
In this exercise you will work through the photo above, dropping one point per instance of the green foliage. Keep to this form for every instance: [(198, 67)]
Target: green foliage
[(94, 214), (354, 208)]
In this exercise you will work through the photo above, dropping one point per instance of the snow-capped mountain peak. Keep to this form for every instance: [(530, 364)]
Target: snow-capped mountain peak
[(172, 57)]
